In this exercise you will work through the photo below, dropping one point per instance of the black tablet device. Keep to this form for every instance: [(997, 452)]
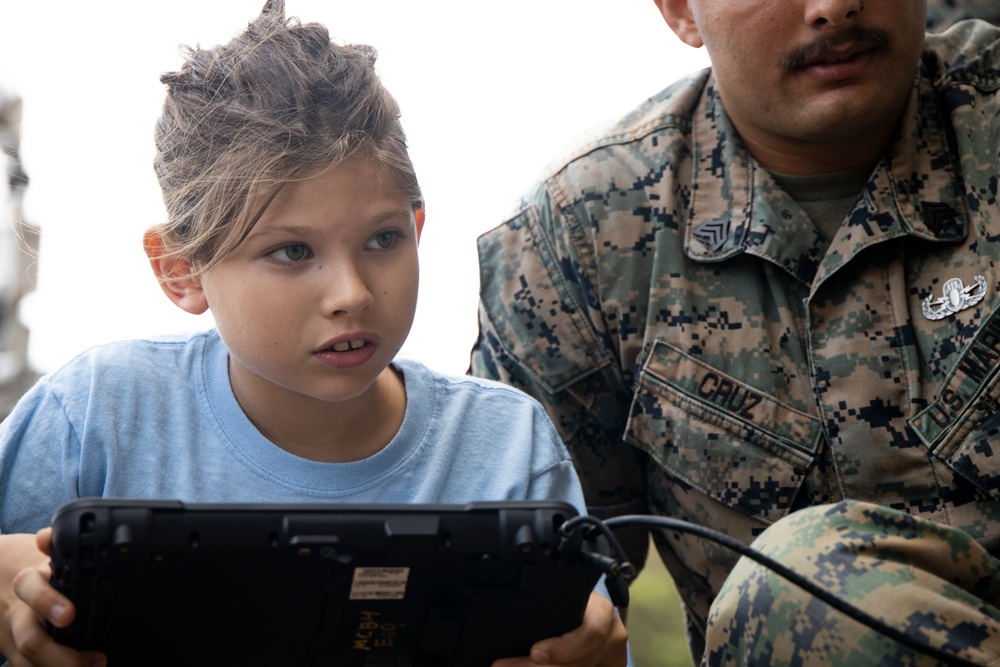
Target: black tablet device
[(167, 583)]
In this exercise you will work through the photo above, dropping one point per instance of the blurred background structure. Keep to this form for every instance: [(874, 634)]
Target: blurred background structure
[(18, 259)]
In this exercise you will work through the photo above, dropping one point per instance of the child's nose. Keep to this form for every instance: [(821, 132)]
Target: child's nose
[(346, 290)]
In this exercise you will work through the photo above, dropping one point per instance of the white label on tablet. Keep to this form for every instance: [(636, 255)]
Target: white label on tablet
[(379, 583)]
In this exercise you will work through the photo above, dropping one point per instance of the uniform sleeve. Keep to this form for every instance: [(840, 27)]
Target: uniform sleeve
[(38, 469), (541, 330)]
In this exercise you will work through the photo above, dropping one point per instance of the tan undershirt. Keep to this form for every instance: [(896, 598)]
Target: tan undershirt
[(826, 198)]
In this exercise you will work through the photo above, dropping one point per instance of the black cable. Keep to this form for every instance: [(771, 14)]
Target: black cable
[(619, 564), (666, 523)]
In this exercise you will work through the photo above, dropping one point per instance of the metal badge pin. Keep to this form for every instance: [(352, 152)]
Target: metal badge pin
[(956, 297)]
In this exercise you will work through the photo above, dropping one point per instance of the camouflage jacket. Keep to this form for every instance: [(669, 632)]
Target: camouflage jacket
[(706, 356), (943, 13)]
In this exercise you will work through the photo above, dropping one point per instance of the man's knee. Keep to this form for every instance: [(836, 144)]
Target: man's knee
[(920, 577)]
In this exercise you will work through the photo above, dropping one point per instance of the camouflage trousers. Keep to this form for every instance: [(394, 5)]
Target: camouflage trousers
[(936, 584)]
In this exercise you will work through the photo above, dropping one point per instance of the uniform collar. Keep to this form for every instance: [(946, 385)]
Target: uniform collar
[(913, 191)]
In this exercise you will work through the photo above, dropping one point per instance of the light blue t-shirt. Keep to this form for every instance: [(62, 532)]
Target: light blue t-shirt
[(158, 419)]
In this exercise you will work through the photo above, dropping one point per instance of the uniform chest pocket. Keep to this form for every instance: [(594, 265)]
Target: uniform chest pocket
[(721, 436), (962, 426)]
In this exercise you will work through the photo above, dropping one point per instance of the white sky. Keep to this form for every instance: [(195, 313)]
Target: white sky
[(490, 94)]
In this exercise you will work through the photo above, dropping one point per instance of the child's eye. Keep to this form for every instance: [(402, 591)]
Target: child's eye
[(383, 240), (293, 252)]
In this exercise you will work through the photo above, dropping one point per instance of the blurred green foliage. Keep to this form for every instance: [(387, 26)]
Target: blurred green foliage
[(655, 619)]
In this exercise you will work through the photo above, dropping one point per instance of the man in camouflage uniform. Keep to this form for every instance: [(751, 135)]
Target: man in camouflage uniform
[(773, 307)]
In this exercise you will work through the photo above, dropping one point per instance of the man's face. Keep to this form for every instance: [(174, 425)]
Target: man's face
[(795, 75)]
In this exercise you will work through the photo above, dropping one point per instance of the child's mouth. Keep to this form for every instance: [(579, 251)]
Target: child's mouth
[(350, 353), (348, 345)]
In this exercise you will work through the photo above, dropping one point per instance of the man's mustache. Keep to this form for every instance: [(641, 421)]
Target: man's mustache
[(868, 38)]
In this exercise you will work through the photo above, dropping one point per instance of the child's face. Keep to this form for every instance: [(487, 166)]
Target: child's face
[(320, 296)]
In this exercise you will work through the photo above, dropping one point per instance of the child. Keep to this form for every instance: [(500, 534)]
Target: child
[(293, 215)]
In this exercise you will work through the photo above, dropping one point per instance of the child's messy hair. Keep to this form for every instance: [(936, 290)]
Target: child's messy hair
[(277, 103)]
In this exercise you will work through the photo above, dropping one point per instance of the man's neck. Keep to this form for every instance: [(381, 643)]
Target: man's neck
[(804, 158), (820, 153)]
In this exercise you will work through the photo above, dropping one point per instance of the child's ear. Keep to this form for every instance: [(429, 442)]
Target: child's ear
[(418, 216), (174, 275)]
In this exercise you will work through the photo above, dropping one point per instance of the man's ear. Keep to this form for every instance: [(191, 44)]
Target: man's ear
[(418, 217), (174, 275), (680, 18)]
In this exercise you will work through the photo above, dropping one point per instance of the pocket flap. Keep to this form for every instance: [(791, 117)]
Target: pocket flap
[(721, 436)]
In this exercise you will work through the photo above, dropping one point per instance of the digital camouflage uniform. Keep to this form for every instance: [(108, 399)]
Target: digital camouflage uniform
[(708, 355), (876, 558), (943, 13)]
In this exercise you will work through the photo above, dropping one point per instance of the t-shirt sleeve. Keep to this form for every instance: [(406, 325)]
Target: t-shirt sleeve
[(39, 454), (558, 479)]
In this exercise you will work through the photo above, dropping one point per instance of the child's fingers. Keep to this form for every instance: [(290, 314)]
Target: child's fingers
[(600, 641), (33, 587), (34, 645), (36, 648), (43, 539)]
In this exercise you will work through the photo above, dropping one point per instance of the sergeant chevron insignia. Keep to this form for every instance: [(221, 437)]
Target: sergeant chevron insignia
[(713, 233)]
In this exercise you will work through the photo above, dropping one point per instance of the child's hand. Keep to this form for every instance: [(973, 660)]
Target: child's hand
[(601, 641), (27, 600)]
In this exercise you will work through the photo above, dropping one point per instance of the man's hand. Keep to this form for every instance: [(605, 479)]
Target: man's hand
[(27, 600), (601, 641)]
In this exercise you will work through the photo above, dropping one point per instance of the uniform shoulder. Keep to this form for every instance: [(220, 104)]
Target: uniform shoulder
[(966, 53), (671, 108)]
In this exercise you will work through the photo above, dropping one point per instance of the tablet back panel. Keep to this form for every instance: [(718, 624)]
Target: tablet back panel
[(160, 582)]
